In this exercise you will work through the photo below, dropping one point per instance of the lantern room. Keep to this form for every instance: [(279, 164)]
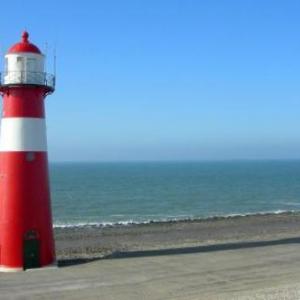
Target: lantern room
[(25, 64)]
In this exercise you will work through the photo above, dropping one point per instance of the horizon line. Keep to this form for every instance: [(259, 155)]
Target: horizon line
[(174, 160)]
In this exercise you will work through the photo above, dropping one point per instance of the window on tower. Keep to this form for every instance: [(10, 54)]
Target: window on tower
[(31, 64), (20, 63)]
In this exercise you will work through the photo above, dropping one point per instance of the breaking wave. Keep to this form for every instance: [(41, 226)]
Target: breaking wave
[(168, 219)]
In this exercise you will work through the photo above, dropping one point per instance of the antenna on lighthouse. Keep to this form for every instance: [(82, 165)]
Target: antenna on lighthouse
[(46, 54), (54, 60), (2, 52)]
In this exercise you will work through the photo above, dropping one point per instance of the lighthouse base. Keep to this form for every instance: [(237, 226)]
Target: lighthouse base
[(10, 270), (5, 269)]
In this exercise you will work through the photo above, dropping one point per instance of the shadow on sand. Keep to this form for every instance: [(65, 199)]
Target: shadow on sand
[(177, 251)]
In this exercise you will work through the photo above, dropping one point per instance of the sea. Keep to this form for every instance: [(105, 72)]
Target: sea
[(124, 193)]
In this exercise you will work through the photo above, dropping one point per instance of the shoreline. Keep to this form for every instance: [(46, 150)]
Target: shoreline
[(171, 220), (91, 242)]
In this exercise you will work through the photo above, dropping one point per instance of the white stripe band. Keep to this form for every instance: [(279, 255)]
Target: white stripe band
[(23, 134)]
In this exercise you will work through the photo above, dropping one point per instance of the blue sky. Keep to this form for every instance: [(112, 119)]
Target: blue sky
[(167, 79)]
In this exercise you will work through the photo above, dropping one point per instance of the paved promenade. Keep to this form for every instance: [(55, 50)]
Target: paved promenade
[(262, 270)]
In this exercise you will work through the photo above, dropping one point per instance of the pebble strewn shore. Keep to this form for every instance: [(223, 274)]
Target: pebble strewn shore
[(95, 242)]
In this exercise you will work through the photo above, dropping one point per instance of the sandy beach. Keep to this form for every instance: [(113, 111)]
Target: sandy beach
[(253, 257)]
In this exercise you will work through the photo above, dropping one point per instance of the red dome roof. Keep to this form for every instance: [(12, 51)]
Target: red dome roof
[(24, 46)]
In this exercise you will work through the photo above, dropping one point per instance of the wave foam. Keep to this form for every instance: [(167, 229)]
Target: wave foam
[(169, 219)]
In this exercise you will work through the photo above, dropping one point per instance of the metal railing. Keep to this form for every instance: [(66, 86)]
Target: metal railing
[(26, 77)]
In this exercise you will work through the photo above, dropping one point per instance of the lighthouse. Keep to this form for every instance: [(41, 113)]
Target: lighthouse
[(26, 233)]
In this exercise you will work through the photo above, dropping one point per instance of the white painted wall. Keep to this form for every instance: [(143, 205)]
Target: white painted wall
[(23, 134), (24, 68)]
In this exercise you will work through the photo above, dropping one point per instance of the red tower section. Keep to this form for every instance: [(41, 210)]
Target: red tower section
[(26, 234)]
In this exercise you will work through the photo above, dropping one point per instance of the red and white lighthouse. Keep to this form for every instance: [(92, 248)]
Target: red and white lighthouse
[(26, 234)]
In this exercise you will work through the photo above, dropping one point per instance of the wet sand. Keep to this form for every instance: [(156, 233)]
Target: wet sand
[(255, 257)]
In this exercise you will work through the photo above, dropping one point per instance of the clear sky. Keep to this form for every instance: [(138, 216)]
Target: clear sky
[(167, 79)]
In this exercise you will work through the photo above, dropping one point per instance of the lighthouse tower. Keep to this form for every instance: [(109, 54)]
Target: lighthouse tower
[(26, 234)]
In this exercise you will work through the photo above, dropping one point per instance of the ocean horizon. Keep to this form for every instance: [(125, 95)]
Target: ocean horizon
[(109, 193)]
